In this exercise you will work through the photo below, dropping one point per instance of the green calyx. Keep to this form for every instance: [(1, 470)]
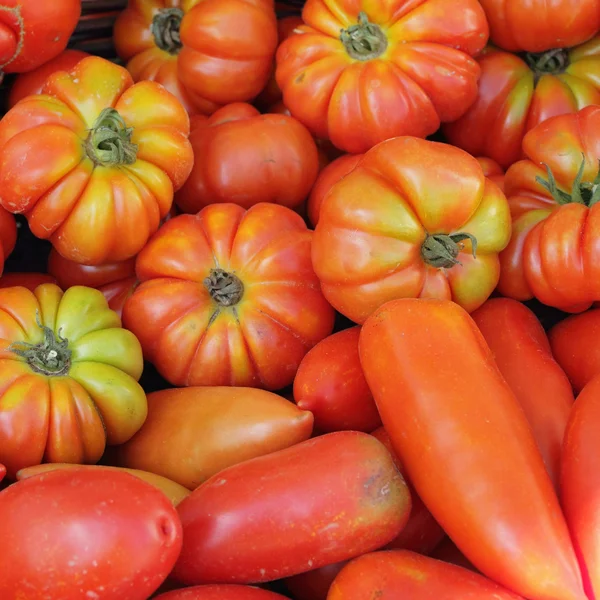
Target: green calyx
[(365, 40), (226, 289), (551, 62), (109, 141), (165, 29), (582, 192), (440, 250)]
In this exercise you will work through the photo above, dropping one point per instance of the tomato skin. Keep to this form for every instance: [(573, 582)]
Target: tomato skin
[(271, 517), (32, 82), (26, 280), (32, 33), (330, 383), (523, 356), (53, 517), (214, 428), (71, 413), (574, 343), (513, 98), (313, 585), (65, 199), (258, 341), (579, 482), (537, 26), (244, 157), (2, 472), (492, 170), (374, 223), (221, 592), (8, 236), (504, 515), (382, 574)]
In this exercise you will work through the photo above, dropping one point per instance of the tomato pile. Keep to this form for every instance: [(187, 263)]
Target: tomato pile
[(318, 311)]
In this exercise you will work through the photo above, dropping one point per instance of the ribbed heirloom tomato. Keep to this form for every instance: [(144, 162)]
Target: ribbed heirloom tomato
[(229, 297), (206, 52), (94, 161), (412, 219), (360, 72)]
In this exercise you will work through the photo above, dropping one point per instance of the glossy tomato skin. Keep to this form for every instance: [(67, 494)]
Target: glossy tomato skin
[(66, 199), (382, 574), (580, 483), (523, 355), (552, 254), (32, 82), (47, 552), (574, 343), (26, 280), (221, 592), (214, 428), (68, 408), (32, 33), (292, 511), (504, 514), (515, 95), (2, 472), (313, 585), (492, 170), (536, 26), (330, 383), (244, 157), (373, 229), (257, 341)]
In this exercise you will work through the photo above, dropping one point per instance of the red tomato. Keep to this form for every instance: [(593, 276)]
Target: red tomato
[(32, 33), (382, 575), (330, 383), (492, 170), (32, 82), (580, 481), (319, 502), (313, 585), (522, 352), (27, 280), (206, 52), (574, 343), (2, 472), (229, 297), (497, 504), (221, 592), (214, 428), (244, 157), (538, 25), (447, 551), (86, 534), (369, 71)]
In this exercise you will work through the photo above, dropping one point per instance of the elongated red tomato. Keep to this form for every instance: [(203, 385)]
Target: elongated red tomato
[(580, 480), (496, 503), (2, 472), (69, 531), (383, 575), (358, 73), (522, 352), (319, 502), (229, 297), (315, 584), (221, 592)]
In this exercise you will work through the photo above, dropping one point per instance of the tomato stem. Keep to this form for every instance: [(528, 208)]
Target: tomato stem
[(165, 29), (551, 62), (439, 250), (224, 288), (51, 357), (109, 142), (365, 40)]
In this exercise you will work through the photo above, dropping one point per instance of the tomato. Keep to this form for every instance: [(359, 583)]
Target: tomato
[(27, 280), (574, 343), (229, 297), (330, 383), (69, 377), (244, 157), (395, 69), (8, 235), (390, 230), (108, 155), (497, 504), (32, 33), (221, 592), (447, 551), (517, 93), (28, 84), (492, 170), (315, 584), (206, 52), (86, 534), (213, 428), (329, 176), (319, 502), (2, 472), (580, 481), (552, 255), (538, 25), (523, 355), (175, 492), (382, 574)]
